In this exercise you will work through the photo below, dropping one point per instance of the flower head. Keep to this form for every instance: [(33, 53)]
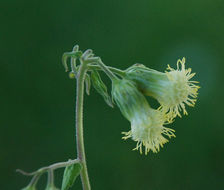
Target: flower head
[(173, 89), (146, 123)]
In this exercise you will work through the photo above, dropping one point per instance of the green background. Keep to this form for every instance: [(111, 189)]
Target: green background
[(37, 97)]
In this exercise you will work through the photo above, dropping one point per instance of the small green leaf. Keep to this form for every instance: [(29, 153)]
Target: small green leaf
[(70, 174), (100, 87), (88, 84)]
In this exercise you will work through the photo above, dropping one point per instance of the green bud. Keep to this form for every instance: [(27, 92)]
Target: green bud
[(72, 75)]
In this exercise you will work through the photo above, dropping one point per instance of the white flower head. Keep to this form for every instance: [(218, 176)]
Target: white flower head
[(173, 89), (180, 89), (148, 131), (146, 123)]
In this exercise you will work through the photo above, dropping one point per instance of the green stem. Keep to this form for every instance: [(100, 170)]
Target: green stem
[(34, 180), (51, 178), (114, 70), (51, 167), (79, 125), (110, 74)]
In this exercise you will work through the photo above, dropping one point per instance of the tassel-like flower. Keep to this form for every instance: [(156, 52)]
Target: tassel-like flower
[(173, 89), (146, 123)]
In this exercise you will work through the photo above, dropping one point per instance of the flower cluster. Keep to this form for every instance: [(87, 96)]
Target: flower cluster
[(173, 89)]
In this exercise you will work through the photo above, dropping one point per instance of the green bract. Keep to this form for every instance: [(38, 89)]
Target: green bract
[(128, 98)]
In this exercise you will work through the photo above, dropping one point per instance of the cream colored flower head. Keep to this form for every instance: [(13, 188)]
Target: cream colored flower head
[(173, 89), (147, 124)]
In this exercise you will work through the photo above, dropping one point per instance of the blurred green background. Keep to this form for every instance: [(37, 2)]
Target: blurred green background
[(37, 97)]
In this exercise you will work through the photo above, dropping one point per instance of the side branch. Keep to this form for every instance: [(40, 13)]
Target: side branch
[(51, 167)]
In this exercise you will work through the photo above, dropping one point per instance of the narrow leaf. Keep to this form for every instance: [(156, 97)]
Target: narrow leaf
[(70, 174), (100, 87)]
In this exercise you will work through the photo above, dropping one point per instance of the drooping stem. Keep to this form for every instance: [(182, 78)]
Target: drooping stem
[(79, 125), (114, 70), (109, 73)]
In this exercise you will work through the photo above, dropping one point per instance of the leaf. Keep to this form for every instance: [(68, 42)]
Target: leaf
[(70, 174), (88, 84), (100, 87)]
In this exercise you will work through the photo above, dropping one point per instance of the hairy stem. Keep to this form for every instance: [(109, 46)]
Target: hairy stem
[(79, 125), (51, 167)]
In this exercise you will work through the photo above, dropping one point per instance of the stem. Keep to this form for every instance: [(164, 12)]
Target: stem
[(79, 125), (34, 180), (51, 167), (114, 70), (51, 177), (110, 74)]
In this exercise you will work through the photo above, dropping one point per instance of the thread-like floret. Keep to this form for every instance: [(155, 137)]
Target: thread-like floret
[(180, 90), (148, 131)]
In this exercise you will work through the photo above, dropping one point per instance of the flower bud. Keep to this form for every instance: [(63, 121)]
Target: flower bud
[(173, 89), (146, 123), (72, 75)]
